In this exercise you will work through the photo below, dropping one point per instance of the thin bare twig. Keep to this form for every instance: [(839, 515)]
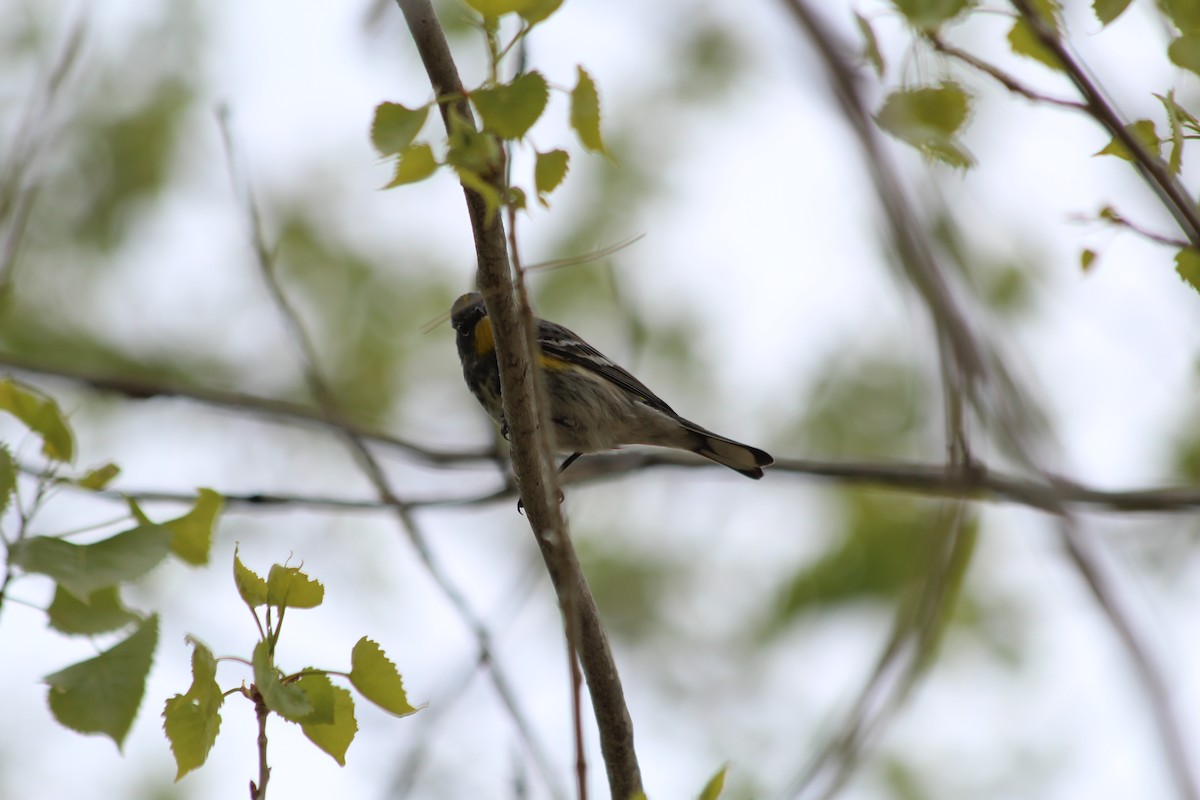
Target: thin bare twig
[(1173, 195), (145, 389), (999, 75)]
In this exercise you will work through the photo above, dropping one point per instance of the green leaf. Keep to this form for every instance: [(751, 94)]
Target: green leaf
[(491, 197), (41, 415), (928, 119), (930, 14), (100, 612), (319, 690), (1187, 264), (549, 171), (1086, 259), (83, 568), (8, 477), (1185, 14), (1185, 52), (1024, 41), (1109, 10), (471, 149), (335, 736), (585, 112), (96, 479), (515, 198), (490, 9), (287, 700), (395, 127), (1143, 130), (871, 49), (102, 694), (416, 163), (192, 721), (534, 11), (376, 677), (288, 587), (135, 510), (192, 534), (250, 586), (509, 110), (716, 784)]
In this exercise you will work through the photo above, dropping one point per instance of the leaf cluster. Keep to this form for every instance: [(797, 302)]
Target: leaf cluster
[(100, 694), (933, 117), (306, 697), (507, 111)]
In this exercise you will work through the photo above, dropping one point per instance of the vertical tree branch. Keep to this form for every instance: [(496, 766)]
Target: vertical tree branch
[(532, 453)]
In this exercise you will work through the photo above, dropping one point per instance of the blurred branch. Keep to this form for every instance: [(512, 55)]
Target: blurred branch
[(999, 75), (17, 195), (144, 389), (995, 396), (933, 480), (1174, 196), (531, 451)]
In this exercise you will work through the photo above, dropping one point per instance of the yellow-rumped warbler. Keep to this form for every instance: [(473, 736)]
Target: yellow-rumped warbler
[(594, 404)]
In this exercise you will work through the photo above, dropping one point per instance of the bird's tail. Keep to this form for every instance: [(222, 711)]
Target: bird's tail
[(737, 456)]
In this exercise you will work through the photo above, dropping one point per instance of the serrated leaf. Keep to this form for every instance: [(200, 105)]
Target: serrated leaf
[(83, 568), (319, 690), (96, 479), (41, 415), (1184, 13), (287, 700), (288, 587), (1143, 130), (8, 477), (102, 694), (1109, 10), (535, 11), (1187, 265), (510, 110), (585, 112), (1086, 259), (414, 164), (395, 127), (250, 586), (716, 784), (871, 50), (192, 534), (931, 14), (549, 171), (100, 612), (1024, 41), (929, 118), (1185, 52), (192, 721), (377, 678), (335, 737)]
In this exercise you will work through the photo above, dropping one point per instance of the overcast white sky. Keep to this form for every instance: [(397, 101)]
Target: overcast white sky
[(767, 230)]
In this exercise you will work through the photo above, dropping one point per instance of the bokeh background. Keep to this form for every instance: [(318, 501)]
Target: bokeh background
[(763, 301)]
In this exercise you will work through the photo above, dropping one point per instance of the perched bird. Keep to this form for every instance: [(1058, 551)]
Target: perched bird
[(595, 405)]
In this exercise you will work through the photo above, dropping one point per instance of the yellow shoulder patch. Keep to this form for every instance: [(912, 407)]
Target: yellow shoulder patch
[(484, 343)]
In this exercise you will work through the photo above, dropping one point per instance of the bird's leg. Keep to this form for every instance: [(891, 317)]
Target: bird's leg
[(570, 460)]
